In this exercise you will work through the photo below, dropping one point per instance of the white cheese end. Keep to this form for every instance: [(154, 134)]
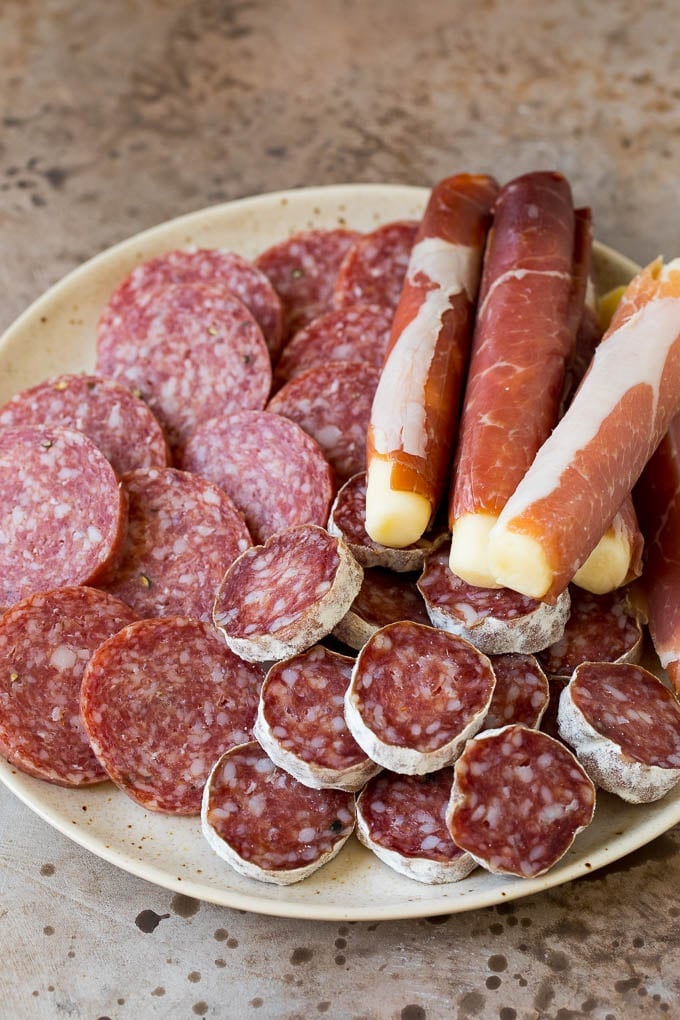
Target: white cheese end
[(469, 556), (518, 562), (393, 518)]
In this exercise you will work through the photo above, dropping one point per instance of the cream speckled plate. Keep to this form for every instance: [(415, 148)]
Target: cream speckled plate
[(57, 334)]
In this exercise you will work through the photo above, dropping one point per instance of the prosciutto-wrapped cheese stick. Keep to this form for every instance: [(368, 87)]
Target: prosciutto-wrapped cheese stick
[(415, 408), (583, 472)]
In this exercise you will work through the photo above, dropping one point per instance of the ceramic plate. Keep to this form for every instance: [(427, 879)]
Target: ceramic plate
[(57, 334)]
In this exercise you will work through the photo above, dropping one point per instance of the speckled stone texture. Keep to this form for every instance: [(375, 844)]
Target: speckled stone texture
[(117, 116)]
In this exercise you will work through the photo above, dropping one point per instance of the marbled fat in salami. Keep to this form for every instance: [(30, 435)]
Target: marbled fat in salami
[(46, 641), (266, 824), (374, 268), (521, 694), (385, 597), (120, 424), (161, 701)]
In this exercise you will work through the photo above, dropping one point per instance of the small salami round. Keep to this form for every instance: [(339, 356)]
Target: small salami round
[(519, 799), (333, 404), (301, 724), (302, 270), (266, 824), (495, 620), (274, 472), (402, 819), (384, 597), (46, 641), (624, 726), (183, 534), (374, 268), (127, 310), (282, 597), (521, 694), (417, 694), (160, 702), (62, 511), (121, 425)]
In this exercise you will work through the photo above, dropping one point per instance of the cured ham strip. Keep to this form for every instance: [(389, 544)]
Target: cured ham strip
[(415, 407), (532, 287), (583, 472)]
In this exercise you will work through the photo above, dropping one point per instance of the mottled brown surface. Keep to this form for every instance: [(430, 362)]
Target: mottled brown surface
[(116, 116)]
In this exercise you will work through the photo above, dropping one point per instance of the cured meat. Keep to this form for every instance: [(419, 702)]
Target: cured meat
[(46, 641), (62, 513), (525, 329), (402, 819), (495, 620), (332, 404), (301, 724), (266, 824), (303, 270), (624, 725), (600, 628), (519, 799), (120, 424), (355, 333), (588, 465), (202, 353), (549, 720), (415, 409), (183, 533), (521, 694), (416, 696), (348, 520), (280, 598), (384, 597), (126, 313), (160, 702), (374, 268), (274, 472)]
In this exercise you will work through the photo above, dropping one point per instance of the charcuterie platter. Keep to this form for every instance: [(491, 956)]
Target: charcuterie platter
[(57, 335)]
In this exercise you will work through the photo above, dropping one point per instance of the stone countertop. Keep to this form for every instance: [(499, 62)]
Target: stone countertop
[(118, 116)]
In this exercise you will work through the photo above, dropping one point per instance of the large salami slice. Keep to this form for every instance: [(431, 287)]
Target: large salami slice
[(280, 598), (120, 424), (160, 702), (333, 404), (521, 694), (62, 512), (127, 310), (416, 696), (273, 470), (374, 268), (266, 824), (301, 724), (519, 799), (385, 597), (183, 534), (495, 620), (46, 641), (624, 726), (402, 819)]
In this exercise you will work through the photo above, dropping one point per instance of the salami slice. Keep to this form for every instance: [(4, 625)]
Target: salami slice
[(549, 725), (302, 270), (266, 824), (62, 513), (600, 628), (120, 424), (521, 694), (624, 725), (160, 702), (348, 520), (355, 333), (301, 724), (183, 534), (333, 404), (128, 307), (495, 620), (280, 598), (46, 641), (519, 799), (202, 354), (402, 819), (374, 268), (275, 473), (385, 597), (416, 696)]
